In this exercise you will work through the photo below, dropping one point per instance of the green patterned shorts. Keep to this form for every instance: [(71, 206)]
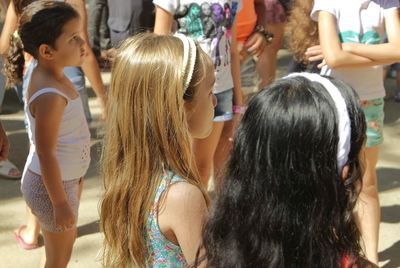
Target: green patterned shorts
[(374, 115)]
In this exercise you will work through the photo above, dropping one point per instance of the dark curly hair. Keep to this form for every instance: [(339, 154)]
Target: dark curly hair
[(282, 202), (41, 22)]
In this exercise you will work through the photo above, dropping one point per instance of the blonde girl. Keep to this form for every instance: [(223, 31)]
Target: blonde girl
[(213, 25), (351, 35), (154, 204), (59, 136)]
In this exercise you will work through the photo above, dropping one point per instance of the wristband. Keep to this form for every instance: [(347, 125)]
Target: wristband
[(239, 109), (267, 35)]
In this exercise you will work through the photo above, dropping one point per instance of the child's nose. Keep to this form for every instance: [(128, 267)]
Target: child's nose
[(81, 41)]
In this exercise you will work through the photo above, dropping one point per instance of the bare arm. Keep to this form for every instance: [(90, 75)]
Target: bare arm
[(260, 11), (185, 214), (388, 52), (48, 110), (90, 66), (163, 23), (332, 50), (10, 25), (256, 42), (235, 69), (4, 144)]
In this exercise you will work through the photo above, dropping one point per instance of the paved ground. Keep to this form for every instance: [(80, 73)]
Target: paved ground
[(88, 244)]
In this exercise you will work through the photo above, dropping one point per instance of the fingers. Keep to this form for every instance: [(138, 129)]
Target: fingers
[(314, 53), (322, 64), (66, 225), (255, 44), (316, 58)]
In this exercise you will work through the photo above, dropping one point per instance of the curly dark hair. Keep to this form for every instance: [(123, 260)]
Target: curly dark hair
[(282, 202), (41, 22)]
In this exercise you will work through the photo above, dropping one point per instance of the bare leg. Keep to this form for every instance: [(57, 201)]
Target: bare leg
[(31, 232), (266, 65), (80, 188), (204, 150), (58, 248), (222, 153), (368, 210)]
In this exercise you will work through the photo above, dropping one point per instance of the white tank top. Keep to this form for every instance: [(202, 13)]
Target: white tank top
[(73, 145)]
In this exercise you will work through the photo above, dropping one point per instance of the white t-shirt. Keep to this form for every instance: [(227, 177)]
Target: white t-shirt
[(209, 23), (359, 21)]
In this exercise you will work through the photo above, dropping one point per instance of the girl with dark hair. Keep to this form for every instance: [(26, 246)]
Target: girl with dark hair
[(58, 132), (351, 35), (29, 233), (292, 180)]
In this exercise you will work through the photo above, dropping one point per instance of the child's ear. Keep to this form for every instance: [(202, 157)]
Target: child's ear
[(45, 52)]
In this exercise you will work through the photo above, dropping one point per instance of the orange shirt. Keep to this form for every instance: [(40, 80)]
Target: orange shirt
[(246, 21)]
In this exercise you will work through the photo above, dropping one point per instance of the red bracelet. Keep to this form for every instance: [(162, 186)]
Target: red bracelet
[(239, 109)]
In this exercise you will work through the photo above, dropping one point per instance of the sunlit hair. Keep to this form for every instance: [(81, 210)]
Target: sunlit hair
[(40, 22), (282, 202), (19, 5), (303, 30), (146, 135)]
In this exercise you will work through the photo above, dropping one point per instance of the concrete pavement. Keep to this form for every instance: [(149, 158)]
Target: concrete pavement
[(87, 247)]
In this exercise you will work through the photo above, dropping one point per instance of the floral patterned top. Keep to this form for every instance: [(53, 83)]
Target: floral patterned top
[(162, 253)]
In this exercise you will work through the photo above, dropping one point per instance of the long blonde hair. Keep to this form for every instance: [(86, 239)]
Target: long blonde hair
[(146, 134)]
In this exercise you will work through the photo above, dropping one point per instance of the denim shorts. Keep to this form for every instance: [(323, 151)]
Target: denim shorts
[(374, 115), (223, 110)]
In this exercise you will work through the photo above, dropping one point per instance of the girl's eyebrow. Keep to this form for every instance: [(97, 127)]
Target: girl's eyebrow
[(74, 33)]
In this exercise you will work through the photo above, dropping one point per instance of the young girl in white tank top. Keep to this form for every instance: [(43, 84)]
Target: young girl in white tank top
[(59, 136)]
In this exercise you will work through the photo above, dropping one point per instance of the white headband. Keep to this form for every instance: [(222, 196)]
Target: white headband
[(344, 120), (189, 58)]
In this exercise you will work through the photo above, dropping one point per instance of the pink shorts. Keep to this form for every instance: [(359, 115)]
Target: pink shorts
[(38, 200), (275, 12)]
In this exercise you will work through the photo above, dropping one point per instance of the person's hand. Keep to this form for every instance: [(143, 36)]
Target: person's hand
[(314, 53), (255, 44), (4, 144), (64, 217)]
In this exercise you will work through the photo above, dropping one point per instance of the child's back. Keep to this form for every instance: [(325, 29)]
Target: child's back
[(160, 98)]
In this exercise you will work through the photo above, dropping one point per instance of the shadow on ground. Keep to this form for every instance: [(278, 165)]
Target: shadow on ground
[(388, 179), (89, 228), (391, 254)]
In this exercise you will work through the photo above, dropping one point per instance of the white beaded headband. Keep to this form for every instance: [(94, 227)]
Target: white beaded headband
[(189, 58), (344, 119)]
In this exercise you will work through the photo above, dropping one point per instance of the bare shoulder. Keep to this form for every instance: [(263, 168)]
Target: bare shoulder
[(181, 201), (181, 193)]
